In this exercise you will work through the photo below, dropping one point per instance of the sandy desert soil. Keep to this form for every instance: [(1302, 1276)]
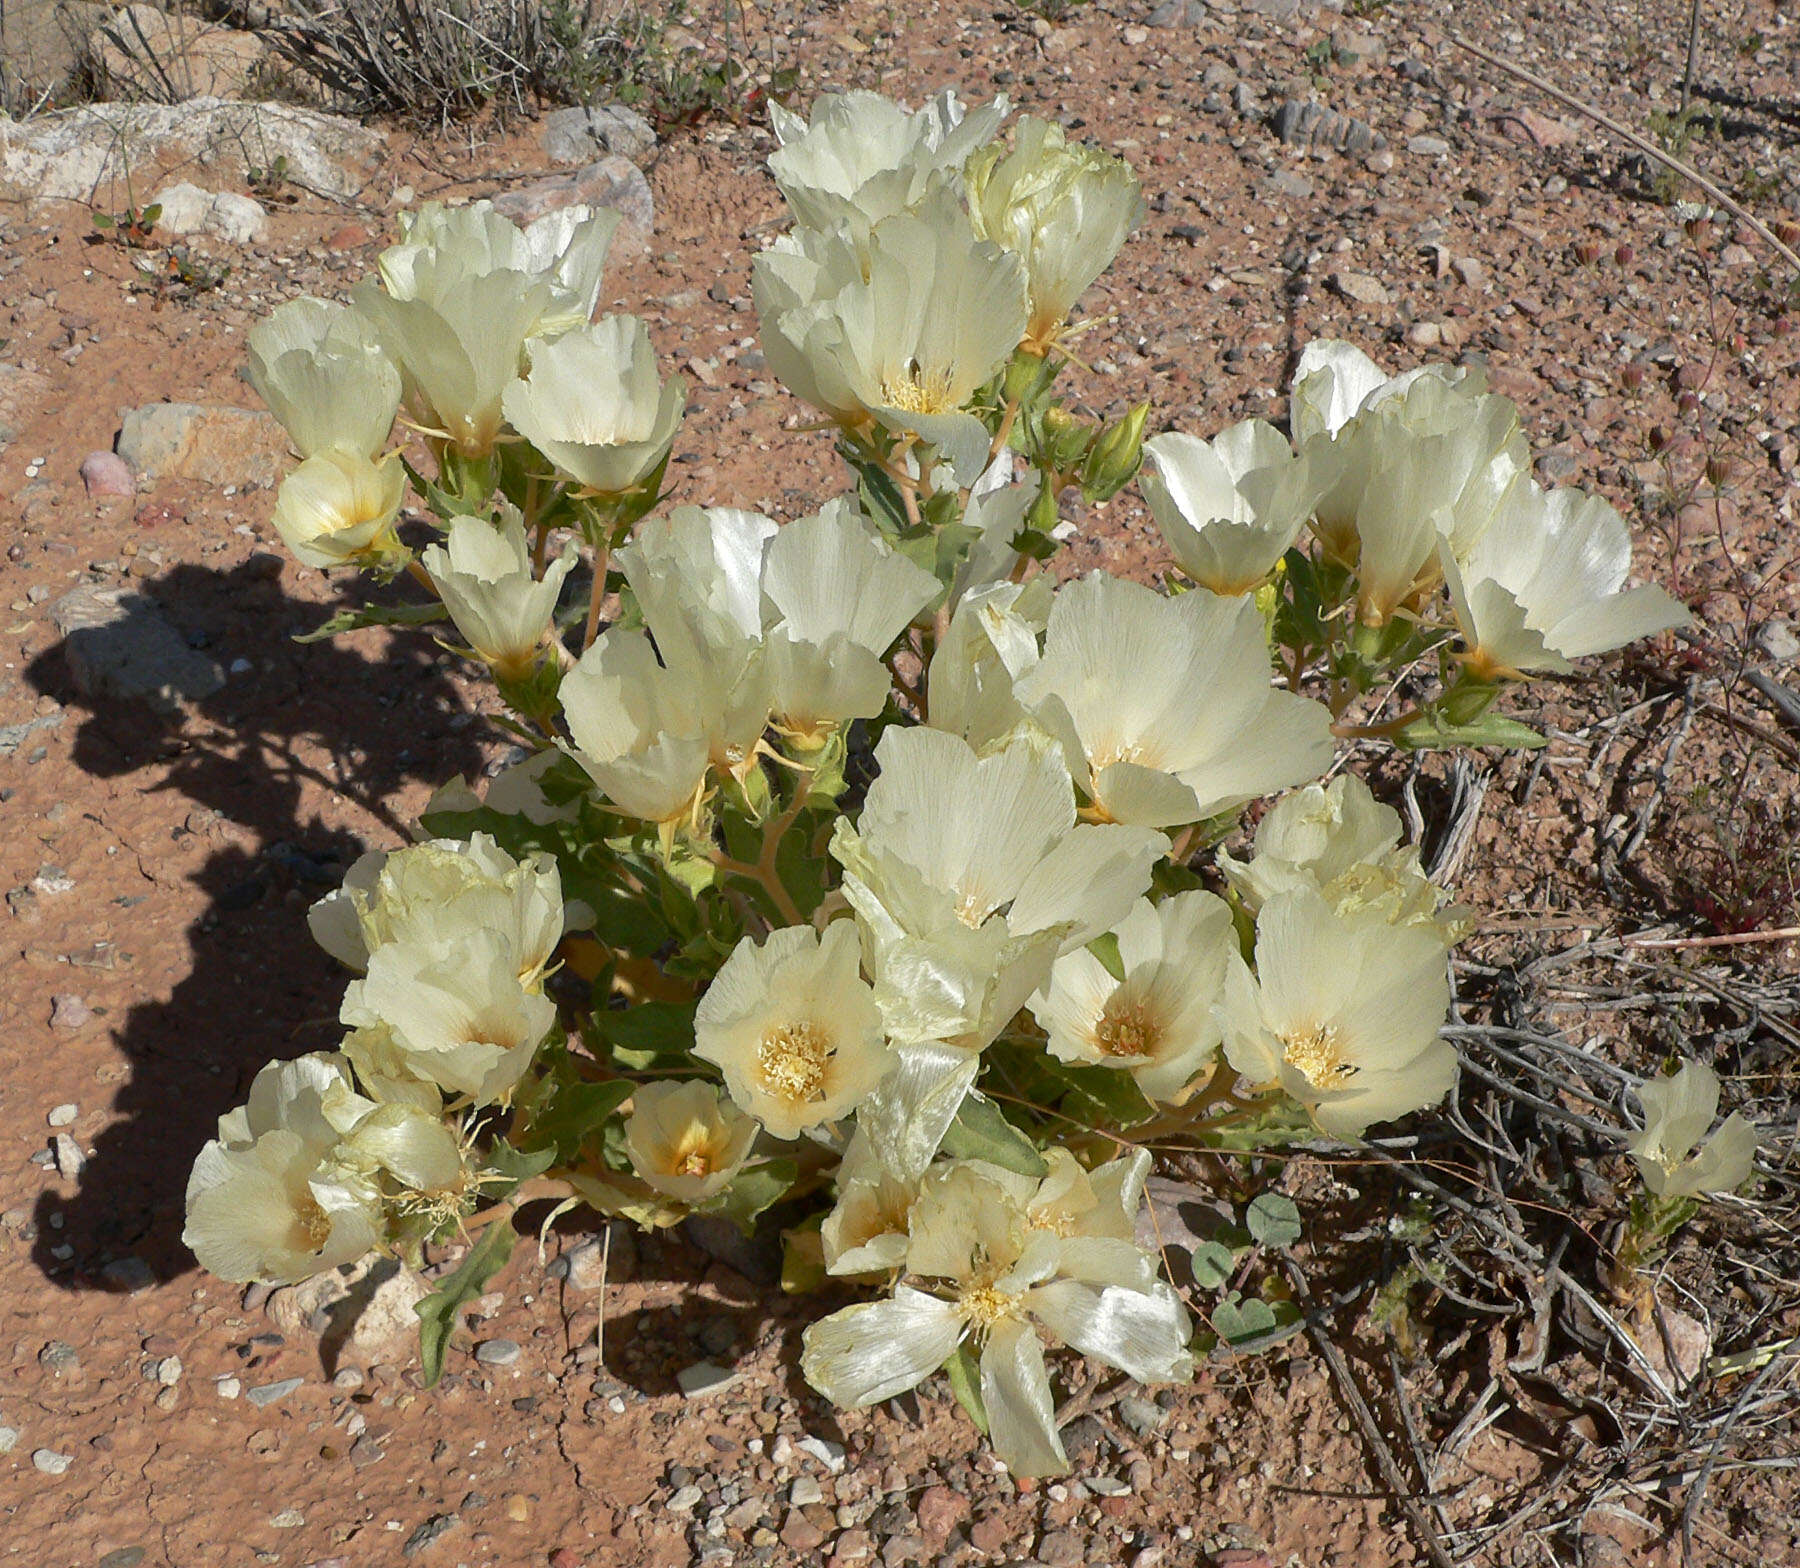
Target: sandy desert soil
[(159, 864)]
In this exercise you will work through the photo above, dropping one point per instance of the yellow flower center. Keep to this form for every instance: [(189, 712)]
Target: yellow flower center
[(1318, 1054), (972, 908), (696, 1162), (792, 1060), (1128, 1031), (984, 1306), (313, 1223), (917, 391)]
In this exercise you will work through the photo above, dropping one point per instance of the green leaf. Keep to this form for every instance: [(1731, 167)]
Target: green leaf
[(653, 1028), (803, 1258), (1254, 1324), (1279, 1123), (573, 1112), (1106, 1095), (1212, 1263), (1431, 731), (751, 1191), (514, 1166), (964, 1371), (438, 1311), (375, 615), (981, 1132), (1273, 1219)]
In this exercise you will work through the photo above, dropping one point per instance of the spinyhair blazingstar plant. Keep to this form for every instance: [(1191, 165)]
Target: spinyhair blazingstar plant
[(856, 868)]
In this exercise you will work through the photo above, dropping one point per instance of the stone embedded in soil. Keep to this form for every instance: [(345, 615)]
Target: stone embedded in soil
[(612, 184), (704, 1378), (582, 135), (50, 1461), (130, 1274), (62, 1115), (268, 1393), (497, 1352), (118, 644), (1303, 124), (9, 1438), (225, 215), (428, 1533), (1361, 288), (69, 1158), (215, 444), (22, 393)]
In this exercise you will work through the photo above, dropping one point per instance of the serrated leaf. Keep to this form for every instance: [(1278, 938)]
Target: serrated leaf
[(375, 615), (964, 1371), (1273, 1219), (1212, 1263), (981, 1132), (437, 1312)]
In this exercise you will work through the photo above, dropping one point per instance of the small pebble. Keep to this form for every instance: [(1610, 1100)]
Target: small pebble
[(704, 1378), (49, 1461), (9, 1437), (168, 1371), (268, 1393), (69, 1158), (497, 1352), (227, 1387)]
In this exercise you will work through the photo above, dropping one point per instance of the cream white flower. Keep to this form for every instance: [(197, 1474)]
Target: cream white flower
[(1157, 1023), (320, 369), (992, 640), (697, 577), (1339, 839), (794, 1028), (1544, 584), (1228, 508), (997, 509), (483, 574), (836, 598), (1064, 210), (339, 508), (866, 1230), (445, 889), (459, 343), (1343, 1012), (685, 1140), (564, 250), (593, 405), (457, 1009), (271, 1198), (1163, 705), (999, 1281), (970, 876), (1674, 1153), (649, 733), (862, 158), (1335, 381), (906, 339)]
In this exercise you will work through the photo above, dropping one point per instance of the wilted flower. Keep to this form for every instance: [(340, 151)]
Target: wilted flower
[(339, 509), (1673, 1153), (865, 1233), (970, 876), (1163, 705), (483, 574), (863, 158), (1343, 1012), (999, 1281), (1065, 210), (1157, 1023), (1339, 839), (457, 1009), (794, 1027), (272, 1198), (320, 369), (904, 336), (592, 403), (1544, 584), (1228, 508), (685, 1140), (992, 640)]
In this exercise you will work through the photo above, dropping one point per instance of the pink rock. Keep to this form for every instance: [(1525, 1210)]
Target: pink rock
[(1532, 129), (68, 1011), (612, 183), (106, 473)]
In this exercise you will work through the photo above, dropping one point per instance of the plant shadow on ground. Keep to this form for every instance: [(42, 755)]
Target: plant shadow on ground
[(258, 987)]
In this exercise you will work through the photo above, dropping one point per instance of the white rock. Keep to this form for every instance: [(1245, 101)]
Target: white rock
[(188, 209), (62, 1115), (69, 1158)]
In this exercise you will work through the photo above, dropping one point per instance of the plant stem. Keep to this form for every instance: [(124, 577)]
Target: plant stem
[(764, 873), (596, 594), (1386, 730)]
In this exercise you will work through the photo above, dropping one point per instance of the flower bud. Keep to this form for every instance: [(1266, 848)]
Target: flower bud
[(1114, 458)]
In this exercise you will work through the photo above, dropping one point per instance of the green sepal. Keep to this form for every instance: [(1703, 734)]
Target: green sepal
[(1105, 947), (1431, 731), (964, 1372), (438, 1312), (752, 1190)]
